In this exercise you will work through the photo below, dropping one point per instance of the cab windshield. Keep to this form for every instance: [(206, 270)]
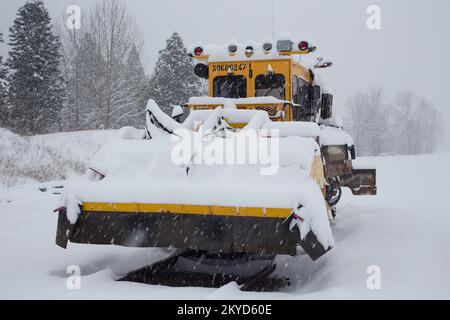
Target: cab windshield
[(230, 86), (270, 85)]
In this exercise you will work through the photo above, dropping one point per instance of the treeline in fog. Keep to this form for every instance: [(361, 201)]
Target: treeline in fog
[(407, 125)]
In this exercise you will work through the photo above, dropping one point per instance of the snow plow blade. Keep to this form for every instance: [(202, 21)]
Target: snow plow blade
[(268, 234), (224, 234)]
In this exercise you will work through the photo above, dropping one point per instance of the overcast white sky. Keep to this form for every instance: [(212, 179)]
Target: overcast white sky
[(410, 52)]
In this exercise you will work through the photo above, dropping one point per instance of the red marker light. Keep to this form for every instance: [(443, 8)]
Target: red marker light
[(198, 51), (303, 45)]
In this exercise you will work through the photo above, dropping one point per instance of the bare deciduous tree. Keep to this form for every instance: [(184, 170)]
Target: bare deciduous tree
[(116, 33), (105, 77), (419, 125), (367, 115)]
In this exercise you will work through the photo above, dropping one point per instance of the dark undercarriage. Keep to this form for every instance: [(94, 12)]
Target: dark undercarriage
[(224, 234)]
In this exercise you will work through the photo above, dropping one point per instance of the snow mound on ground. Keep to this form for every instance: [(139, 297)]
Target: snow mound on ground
[(46, 157), (130, 133)]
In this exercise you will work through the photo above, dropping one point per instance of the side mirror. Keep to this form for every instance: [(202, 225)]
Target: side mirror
[(323, 63), (327, 106)]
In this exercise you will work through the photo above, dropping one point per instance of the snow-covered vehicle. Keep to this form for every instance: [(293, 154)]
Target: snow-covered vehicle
[(256, 167)]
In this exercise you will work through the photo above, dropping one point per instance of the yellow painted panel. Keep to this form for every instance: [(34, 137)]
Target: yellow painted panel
[(187, 209), (243, 67)]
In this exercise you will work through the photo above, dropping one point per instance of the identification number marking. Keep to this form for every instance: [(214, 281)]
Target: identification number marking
[(232, 67)]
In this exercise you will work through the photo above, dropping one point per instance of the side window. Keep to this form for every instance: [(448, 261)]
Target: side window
[(270, 85), (230, 87), (305, 93), (295, 89)]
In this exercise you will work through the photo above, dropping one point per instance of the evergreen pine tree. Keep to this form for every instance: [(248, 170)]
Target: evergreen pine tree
[(173, 80), (36, 86), (4, 110)]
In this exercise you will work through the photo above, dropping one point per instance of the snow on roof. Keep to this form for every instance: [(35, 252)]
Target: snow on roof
[(220, 100), (221, 52)]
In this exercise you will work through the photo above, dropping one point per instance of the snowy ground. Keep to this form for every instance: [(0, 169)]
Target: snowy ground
[(47, 157), (404, 230)]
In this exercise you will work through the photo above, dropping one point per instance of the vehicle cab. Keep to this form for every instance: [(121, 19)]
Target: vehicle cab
[(251, 74)]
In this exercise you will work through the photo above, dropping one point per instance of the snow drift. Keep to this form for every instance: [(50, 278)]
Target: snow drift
[(46, 157)]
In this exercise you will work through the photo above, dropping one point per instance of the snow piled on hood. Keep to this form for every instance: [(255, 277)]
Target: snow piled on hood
[(144, 171)]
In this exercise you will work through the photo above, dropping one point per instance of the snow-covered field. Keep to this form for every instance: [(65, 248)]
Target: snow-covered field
[(47, 157), (404, 231)]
